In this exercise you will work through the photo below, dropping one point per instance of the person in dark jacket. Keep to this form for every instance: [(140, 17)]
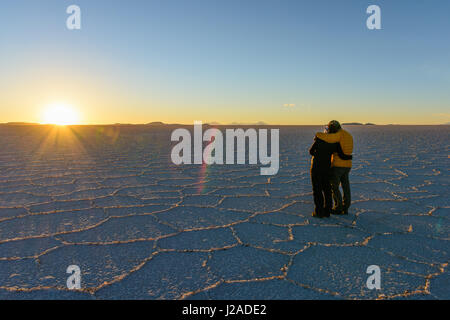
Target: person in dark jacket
[(321, 153)]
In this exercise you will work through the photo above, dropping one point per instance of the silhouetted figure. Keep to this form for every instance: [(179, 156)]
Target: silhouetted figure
[(320, 175)]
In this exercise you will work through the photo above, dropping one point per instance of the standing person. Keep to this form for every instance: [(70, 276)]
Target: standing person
[(320, 175), (340, 167)]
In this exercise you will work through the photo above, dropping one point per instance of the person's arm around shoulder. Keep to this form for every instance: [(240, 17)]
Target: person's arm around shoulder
[(329, 137), (341, 153)]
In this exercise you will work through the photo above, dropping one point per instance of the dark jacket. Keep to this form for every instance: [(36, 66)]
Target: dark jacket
[(322, 152)]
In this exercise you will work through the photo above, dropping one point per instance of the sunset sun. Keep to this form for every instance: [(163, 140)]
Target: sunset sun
[(60, 114)]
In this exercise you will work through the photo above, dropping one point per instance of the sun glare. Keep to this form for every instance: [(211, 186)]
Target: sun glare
[(60, 114)]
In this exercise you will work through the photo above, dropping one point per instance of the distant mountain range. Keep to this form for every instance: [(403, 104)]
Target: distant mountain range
[(21, 123), (358, 124), (214, 123), (259, 123)]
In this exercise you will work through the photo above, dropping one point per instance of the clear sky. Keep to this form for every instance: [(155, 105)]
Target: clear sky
[(277, 61)]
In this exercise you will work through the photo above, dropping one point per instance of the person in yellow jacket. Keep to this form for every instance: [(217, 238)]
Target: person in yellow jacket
[(340, 169)]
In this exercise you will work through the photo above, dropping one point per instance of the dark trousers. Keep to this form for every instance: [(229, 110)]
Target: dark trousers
[(339, 176), (321, 191)]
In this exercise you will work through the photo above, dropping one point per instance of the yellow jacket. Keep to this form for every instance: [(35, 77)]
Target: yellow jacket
[(346, 141)]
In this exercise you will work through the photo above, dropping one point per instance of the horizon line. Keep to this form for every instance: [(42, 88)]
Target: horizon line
[(158, 123)]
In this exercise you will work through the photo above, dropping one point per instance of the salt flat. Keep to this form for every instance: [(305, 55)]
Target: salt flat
[(108, 199)]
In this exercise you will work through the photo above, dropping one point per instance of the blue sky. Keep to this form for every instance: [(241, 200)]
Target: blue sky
[(227, 61)]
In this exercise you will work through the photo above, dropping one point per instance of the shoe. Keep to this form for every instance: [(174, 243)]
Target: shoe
[(337, 211), (317, 214)]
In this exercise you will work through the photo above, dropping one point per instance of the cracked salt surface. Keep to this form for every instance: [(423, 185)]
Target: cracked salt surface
[(109, 200)]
